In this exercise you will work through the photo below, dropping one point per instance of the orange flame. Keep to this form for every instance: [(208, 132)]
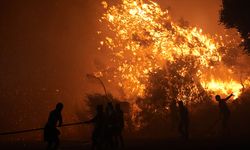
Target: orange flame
[(144, 37)]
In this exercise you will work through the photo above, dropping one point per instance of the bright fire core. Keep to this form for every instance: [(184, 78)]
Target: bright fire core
[(143, 39)]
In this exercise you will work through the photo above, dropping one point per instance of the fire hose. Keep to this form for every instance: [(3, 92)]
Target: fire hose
[(37, 129), (64, 125)]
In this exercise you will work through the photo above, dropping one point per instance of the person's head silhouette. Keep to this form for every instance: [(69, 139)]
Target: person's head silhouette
[(110, 106), (217, 97), (180, 103), (59, 106)]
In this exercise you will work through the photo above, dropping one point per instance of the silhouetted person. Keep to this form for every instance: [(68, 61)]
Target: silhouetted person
[(109, 126), (51, 133), (97, 134), (173, 114), (184, 120), (119, 125), (224, 111)]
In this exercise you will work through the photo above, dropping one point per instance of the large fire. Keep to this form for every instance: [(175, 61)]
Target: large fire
[(143, 38)]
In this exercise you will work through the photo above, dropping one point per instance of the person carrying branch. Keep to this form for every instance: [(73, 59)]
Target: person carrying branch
[(51, 133)]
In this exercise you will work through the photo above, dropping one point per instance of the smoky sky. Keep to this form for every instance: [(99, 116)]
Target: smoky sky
[(48, 46), (200, 13)]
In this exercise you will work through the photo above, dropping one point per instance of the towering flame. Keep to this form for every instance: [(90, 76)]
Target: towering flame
[(143, 38)]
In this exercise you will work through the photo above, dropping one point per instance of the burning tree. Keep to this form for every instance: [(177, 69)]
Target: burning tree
[(157, 60), (167, 85)]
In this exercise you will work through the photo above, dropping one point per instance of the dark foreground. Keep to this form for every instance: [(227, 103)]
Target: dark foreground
[(141, 144)]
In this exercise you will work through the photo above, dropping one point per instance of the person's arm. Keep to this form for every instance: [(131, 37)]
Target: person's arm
[(60, 120), (225, 99)]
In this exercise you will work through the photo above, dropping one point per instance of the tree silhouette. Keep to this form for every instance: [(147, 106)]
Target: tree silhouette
[(235, 14)]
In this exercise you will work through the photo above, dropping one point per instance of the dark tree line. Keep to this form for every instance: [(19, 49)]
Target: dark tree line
[(236, 14)]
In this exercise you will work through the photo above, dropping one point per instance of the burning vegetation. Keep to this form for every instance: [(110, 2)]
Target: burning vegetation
[(155, 60)]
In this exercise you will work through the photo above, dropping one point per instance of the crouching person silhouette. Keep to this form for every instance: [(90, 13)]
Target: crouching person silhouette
[(51, 133)]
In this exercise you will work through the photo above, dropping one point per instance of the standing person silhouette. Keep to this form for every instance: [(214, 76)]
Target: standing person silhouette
[(224, 111), (97, 134), (51, 133), (109, 126), (119, 125), (173, 114), (184, 120)]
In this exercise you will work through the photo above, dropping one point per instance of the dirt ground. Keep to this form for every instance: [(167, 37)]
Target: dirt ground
[(142, 144)]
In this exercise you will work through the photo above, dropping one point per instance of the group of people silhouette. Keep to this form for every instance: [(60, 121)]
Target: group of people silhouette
[(107, 132), (109, 124)]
